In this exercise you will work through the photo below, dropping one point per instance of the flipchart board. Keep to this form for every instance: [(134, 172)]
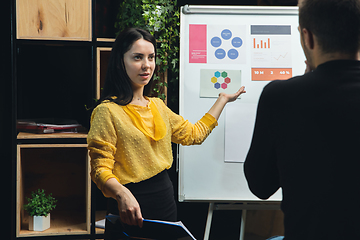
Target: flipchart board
[(221, 49)]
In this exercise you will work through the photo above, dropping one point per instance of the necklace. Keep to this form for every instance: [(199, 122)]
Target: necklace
[(140, 99)]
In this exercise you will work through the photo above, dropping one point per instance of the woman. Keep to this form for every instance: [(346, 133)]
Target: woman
[(131, 134)]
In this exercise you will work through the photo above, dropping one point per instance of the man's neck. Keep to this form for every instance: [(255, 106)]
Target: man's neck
[(323, 58)]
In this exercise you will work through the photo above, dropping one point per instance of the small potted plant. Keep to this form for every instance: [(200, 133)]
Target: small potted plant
[(39, 207)]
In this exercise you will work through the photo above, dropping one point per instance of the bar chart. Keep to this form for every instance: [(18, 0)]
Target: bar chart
[(271, 52), (261, 43)]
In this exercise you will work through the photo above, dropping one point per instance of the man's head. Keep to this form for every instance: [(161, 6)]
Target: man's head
[(335, 24)]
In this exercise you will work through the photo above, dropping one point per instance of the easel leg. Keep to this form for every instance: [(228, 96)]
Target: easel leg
[(208, 221), (242, 225)]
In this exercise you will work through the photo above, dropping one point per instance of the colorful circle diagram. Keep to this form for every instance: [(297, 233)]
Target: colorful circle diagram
[(220, 80), (220, 53)]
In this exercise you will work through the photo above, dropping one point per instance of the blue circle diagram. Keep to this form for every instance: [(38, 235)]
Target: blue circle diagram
[(226, 34), (236, 42), (220, 53), (216, 42), (233, 53)]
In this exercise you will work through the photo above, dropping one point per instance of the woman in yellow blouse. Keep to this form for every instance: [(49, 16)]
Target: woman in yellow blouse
[(130, 136)]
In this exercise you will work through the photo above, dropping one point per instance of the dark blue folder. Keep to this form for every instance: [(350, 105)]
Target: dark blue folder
[(157, 230)]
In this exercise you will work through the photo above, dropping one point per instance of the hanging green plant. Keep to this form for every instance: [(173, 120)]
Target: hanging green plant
[(162, 19)]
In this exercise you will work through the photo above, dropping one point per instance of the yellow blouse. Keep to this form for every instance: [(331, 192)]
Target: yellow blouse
[(133, 143)]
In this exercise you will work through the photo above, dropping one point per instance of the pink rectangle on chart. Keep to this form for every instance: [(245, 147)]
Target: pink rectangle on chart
[(197, 43)]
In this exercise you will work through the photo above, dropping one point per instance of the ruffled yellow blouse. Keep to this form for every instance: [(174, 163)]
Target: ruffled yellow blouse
[(148, 122), (133, 143)]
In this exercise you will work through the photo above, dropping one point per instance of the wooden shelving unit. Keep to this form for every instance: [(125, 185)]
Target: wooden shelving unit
[(61, 52), (61, 169)]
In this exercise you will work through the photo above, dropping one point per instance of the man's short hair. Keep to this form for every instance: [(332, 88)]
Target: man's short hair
[(335, 23)]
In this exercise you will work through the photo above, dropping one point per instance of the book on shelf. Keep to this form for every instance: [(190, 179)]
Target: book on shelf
[(48, 125), (157, 230)]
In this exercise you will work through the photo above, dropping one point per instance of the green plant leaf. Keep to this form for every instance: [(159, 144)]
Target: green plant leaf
[(40, 204)]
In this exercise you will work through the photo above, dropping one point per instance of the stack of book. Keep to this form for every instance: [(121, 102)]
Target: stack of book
[(48, 125)]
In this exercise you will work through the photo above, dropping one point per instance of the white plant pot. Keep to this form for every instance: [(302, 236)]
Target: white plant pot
[(39, 223)]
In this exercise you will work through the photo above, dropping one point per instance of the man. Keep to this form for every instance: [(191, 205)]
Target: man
[(307, 131)]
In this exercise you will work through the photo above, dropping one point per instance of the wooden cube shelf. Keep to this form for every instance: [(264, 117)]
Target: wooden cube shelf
[(64, 171), (103, 56), (54, 19)]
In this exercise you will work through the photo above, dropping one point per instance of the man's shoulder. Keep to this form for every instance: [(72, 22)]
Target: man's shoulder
[(279, 90), (292, 83)]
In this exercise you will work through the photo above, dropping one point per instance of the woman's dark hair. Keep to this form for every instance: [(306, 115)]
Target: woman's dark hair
[(117, 82)]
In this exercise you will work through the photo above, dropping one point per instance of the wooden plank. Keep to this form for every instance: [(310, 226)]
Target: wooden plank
[(24, 135), (54, 19), (105, 39), (19, 191), (53, 145), (64, 223), (88, 193)]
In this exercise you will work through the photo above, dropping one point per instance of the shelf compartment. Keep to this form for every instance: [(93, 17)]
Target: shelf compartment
[(54, 20), (60, 169), (54, 82), (100, 215), (102, 60)]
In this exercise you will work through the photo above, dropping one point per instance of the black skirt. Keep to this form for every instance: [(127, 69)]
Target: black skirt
[(156, 199)]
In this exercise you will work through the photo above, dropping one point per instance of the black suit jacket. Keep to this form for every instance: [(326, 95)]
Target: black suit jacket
[(307, 141)]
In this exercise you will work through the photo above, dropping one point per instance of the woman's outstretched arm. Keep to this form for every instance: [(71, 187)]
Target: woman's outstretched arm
[(222, 100)]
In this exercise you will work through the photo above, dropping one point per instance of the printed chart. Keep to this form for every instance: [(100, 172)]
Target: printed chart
[(215, 81), (217, 44), (271, 52)]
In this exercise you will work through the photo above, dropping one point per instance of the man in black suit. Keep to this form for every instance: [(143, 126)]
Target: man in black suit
[(307, 131)]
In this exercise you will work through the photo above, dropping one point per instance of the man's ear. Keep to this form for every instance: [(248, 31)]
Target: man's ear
[(308, 38)]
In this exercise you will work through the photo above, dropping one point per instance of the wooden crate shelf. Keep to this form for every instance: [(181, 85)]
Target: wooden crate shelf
[(54, 19), (60, 169), (102, 61)]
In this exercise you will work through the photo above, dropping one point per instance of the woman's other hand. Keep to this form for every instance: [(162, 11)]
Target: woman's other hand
[(129, 208), (222, 100), (234, 96)]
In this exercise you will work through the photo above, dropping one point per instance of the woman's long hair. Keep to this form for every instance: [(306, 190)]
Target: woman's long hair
[(117, 82)]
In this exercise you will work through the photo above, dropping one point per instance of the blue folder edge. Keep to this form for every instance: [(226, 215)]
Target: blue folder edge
[(113, 218)]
